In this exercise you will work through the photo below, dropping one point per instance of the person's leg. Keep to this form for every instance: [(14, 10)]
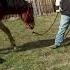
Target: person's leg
[(64, 23)]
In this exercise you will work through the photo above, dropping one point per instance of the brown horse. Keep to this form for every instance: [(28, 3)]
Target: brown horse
[(20, 7)]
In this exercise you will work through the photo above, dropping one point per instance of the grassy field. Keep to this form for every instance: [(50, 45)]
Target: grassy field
[(33, 52)]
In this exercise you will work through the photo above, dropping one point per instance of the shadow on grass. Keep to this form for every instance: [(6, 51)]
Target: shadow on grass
[(36, 44), (40, 44), (33, 45), (29, 46)]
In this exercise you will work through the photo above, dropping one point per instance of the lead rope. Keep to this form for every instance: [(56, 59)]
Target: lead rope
[(41, 34)]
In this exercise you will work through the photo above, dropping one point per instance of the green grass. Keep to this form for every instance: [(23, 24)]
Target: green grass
[(33, 52)]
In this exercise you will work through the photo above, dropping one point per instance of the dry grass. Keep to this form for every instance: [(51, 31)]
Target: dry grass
[(32, 51)]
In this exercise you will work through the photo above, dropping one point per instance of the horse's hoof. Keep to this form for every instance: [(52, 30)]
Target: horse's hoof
[(13, 47)]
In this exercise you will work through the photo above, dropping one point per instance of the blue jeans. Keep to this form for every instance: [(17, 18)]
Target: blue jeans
[(64, 23)]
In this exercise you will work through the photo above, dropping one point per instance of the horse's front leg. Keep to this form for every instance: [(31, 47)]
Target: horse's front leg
[(7, 31)]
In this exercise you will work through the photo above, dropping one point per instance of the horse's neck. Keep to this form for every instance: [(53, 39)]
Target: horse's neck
[(16, 3)]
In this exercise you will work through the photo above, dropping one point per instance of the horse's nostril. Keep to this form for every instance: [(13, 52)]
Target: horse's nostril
[(32, 27)]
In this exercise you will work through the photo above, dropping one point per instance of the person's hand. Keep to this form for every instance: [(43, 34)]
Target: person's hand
[(58, 9)]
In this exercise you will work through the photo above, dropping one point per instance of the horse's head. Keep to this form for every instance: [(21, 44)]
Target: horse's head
[(28, 16)]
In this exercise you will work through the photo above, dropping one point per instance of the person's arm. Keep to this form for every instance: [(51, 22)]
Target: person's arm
[(57, 4)]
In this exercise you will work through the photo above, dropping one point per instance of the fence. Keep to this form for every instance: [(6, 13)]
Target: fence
[(42, 7)]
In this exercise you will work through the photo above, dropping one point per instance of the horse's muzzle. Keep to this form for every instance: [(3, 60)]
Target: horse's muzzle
[(32, 26)]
